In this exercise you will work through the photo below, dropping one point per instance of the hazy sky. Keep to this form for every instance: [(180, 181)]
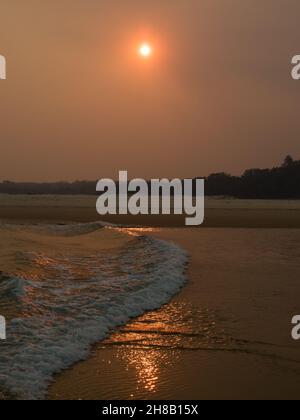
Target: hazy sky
[(79, 102)]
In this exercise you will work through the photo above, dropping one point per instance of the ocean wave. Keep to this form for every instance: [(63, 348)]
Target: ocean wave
[(68, 303), (63, 229), (10, 286)]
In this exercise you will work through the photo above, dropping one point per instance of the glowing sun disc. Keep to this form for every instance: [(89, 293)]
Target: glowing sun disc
[(145, 50)]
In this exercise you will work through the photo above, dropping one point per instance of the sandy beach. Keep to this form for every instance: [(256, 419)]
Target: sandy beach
[(227, 334), (219, 212)]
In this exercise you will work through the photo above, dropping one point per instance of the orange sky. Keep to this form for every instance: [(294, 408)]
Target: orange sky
[(79, 102)]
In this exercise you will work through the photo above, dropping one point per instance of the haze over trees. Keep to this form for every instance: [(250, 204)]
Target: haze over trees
[(282, 182)]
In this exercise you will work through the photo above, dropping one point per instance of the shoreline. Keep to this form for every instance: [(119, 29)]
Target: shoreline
[(210, 333), (210, 341), (219, 213)]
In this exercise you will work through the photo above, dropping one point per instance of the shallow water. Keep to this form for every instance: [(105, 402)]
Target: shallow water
[(62, 302), (226, 335)]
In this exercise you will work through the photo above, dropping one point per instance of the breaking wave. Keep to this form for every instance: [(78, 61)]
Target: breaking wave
[(67, 303)]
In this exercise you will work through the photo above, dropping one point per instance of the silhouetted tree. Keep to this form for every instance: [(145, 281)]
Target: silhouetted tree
[(288, 162)]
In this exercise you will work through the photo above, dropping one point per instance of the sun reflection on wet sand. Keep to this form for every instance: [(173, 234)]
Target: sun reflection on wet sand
[(147, 365), (151, 345)]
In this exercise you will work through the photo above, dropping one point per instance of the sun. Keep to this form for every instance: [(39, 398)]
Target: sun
[(145, 50)]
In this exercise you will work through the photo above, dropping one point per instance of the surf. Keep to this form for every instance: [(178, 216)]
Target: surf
[(68, 302)]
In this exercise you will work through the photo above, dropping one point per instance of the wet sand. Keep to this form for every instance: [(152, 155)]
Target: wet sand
[(226, 335)]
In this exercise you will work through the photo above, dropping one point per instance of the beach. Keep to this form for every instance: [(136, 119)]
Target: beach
[(225, 336), (222, 302), (220, 212), (149, 202)]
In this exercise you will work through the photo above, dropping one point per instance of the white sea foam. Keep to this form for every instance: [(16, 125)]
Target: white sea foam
[(76, 302), (11, 285)]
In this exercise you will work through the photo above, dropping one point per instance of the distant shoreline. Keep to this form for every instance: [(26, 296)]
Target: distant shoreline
[(277, 183), (219, 212)]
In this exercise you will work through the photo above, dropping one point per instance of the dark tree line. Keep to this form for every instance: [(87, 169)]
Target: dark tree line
[(280, 182), (57, 188)]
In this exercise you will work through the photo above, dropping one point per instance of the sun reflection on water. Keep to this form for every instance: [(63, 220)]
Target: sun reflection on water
[(146, 364), (136, 231), (149, 366), (151, 345)]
